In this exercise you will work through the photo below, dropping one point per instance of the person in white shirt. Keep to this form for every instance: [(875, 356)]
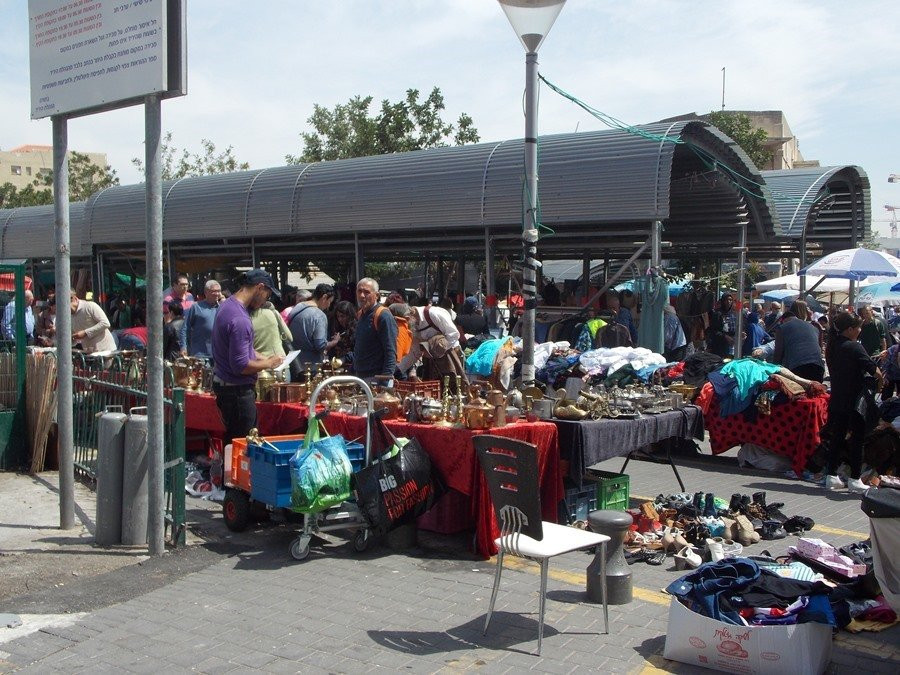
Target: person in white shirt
[(436, 342), (90, 326), (9, 319)]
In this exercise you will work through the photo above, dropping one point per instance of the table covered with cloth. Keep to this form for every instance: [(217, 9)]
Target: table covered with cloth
[(272, 419), (588, 442), (453, 455), (791, 430)]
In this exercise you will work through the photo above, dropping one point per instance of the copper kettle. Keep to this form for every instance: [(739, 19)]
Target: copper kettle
[(478, 414), (393, 403)]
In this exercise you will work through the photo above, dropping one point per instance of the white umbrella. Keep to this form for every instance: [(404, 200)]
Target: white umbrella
[(855, 264), (792, 281)]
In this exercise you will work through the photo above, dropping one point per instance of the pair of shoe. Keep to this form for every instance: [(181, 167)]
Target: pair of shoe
[(645, 555), (720, 548), (852, 484), (798, 524), (672, 540), (772, 529), (687, 559)]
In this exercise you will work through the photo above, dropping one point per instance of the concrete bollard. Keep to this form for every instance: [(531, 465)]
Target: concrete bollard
[(613, 524)]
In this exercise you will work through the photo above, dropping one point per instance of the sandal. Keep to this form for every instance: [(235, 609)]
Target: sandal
[(687, 558), (657, 558)]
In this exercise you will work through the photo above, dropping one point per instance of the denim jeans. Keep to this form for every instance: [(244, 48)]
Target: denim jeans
[(237, 404), (701, 589)]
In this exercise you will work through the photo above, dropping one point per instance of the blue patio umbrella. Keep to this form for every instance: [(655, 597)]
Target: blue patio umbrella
[(856, 264), (881, 292), (787, 296)]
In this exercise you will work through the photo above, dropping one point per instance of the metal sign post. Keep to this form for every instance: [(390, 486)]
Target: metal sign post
[(63, 324)]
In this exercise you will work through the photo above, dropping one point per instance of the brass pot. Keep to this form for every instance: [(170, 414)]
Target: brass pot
[(183, 371), (432, 410), (478, 414), (265, 379), (388, 400), (289, 392)]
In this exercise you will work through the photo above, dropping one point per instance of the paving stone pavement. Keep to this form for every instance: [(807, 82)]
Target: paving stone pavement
[(420, 610)]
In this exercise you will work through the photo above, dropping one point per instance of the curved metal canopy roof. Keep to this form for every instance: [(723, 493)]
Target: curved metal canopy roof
[(598, 190), (835, 200)]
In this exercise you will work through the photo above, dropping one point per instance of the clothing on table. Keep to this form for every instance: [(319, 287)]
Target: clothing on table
[(132, 338), (748, 375), (269, 331), (9, 322), (90, 318), (588, 334), (375, 344), (197, 329), (232, 343), (697, 366), (481, 361)]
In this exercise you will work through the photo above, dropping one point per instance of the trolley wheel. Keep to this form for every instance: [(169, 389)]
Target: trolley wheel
[(300, 548), (361, 540), (236, 509)]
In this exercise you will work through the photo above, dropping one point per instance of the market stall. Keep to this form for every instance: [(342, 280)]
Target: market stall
[(452, 452), (588, 442), (791, 429), (273, 419)]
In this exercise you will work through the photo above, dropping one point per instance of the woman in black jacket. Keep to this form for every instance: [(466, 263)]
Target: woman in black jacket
[(848, 364)]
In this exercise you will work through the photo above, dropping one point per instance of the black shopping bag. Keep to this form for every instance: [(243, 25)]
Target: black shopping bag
[(397, 488)]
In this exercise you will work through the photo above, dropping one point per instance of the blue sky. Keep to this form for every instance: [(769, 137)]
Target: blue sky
[(257, 68)]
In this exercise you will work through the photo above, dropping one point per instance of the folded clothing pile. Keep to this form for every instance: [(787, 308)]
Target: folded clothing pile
[(816, 550)]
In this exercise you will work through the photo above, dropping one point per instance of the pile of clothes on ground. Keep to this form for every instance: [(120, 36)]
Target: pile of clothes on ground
[(203, 478), (765, 591), (701, 526)]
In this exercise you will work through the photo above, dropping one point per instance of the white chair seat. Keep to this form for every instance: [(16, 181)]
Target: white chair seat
[(557, 539)]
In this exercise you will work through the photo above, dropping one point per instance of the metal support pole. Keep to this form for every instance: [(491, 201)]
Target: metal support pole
[(461, 276), (606, 263), (656, 244), (489, 281), (254, 259), (64, 423), (718, 278), (530, 222), (170, 265), (739, 324), (803, 261), (359, 267), (585, 276), (619, 272), (439, 279), (425, 293), (155, 414)]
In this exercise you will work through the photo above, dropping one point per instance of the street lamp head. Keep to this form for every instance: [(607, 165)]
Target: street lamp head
[(532, 19)]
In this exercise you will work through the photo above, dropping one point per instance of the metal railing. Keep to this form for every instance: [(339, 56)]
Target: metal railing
[(99, 382)]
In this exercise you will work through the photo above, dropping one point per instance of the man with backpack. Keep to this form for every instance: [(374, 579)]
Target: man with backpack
[(375, 343), (436, 340)]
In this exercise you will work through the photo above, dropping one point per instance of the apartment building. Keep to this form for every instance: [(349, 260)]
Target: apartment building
[(21, 166)]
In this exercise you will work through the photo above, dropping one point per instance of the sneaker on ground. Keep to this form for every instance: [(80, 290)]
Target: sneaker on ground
[(843, 471), (856, 485), (834, 483)]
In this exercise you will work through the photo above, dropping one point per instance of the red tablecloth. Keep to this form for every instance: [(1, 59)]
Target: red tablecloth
[(791, 430), (453, 454), (273, 419)]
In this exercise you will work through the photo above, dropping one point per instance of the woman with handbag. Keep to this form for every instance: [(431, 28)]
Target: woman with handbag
[(851, 400)]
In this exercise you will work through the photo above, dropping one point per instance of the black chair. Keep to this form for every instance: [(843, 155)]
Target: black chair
[(511, 468)]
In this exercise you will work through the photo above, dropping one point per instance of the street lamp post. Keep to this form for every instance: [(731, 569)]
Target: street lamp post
[(531, 20)]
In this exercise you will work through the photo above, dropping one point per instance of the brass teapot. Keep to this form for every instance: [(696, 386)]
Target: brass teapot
[(478, 414), (387, 399)]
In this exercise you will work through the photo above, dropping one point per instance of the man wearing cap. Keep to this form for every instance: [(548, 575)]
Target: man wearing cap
[(236, 363)]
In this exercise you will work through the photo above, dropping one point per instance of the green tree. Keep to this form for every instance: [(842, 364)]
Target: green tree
[(738, 126), (85, 178), (178, 163), (348, 130), (11, 197)]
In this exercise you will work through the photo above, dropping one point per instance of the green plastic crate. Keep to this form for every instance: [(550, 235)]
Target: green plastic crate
[(613, 489)]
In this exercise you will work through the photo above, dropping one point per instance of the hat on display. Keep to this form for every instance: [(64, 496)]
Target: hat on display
[(258, 276)]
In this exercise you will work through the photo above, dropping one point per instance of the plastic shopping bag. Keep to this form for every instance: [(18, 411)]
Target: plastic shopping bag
[(320, 472), (397, 488)]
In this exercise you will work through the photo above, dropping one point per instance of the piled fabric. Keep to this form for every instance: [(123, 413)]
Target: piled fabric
[(606, 361), (738, 591)]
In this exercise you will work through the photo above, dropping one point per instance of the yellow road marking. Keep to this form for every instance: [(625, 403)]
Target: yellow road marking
[(834, 531)]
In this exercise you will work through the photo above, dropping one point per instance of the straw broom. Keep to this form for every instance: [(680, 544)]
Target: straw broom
[(40, 387)]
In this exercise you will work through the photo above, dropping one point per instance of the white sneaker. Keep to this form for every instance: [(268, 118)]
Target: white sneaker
[(716, 548), (834, 483), (856, 485), (843, 471)]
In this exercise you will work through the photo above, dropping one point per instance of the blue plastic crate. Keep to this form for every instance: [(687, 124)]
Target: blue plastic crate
[(357, 454), (270, 474)]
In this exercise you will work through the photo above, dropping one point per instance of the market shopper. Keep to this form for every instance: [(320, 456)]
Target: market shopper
[(308, 324), (180, 292), (436, 342), (90, 326), (344, 325), (196, 331), (9, 319), (401, 312), (722, 324), (270, 332), (45, 324), (674, 341), (797, 345), (236, 363), (873, 334), (773, 316), (375, 342), (471, 319), (848, 365), (173, 321), (622, 314)]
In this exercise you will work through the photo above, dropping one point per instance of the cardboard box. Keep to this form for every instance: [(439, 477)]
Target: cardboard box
[(700, 641)]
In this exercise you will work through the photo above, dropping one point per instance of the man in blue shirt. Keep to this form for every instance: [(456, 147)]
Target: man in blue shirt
[(197, 328), (236, 363), (375, 346), (9, 319)]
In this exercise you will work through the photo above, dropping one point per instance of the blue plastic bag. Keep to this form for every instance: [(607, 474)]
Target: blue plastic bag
[(320, 472)]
